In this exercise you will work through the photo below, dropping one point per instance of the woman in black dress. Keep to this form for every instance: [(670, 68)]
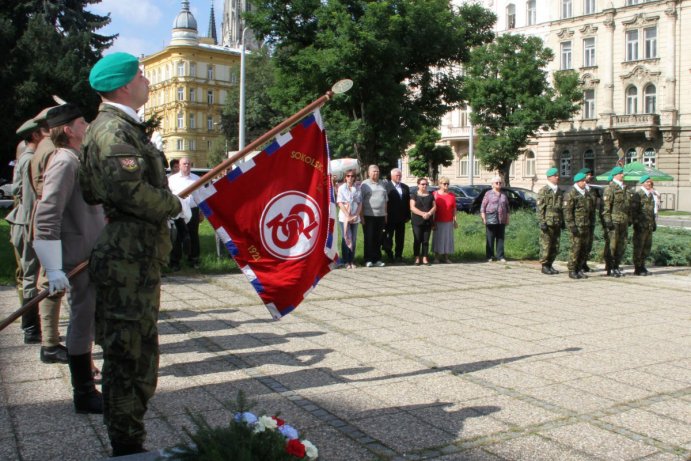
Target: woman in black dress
[(422, 207)]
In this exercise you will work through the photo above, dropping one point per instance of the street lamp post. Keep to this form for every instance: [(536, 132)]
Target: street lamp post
[(241, 122)]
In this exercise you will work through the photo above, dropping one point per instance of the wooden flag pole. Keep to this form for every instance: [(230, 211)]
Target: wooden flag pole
[(339, 87)]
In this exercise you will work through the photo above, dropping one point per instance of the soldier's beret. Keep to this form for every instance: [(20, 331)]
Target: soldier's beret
[(27, 128), (610, 178), (585, 171), (644, 178), (113, 71), (579, 177), (552, 172), (61, 115), (41, 116), (616, 170)]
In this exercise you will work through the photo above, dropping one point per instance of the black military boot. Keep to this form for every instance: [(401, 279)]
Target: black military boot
[(636, 270), (644, 271), (127, 448), (53, 354), (582, 275), (86, 398), (546, 270), (553, 270), (31, 324), (574, 275), (585, 268)]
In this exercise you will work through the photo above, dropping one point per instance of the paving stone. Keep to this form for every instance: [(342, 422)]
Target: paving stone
[(536, 448), (653, 425)]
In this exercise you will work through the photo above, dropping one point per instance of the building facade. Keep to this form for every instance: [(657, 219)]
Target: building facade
[(233, 25), (637, 92), (189, 83)]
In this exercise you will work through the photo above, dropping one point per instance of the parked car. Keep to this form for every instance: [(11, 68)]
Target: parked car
[(5, 189), (430, 188), (465, 195), (516, 200)]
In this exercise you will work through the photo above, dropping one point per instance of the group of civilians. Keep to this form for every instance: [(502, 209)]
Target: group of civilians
[(385, 207)]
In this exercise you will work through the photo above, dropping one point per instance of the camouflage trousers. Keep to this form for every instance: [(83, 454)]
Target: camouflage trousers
[(617, 243), (606, 252), (127, 303), (549, 244), (590, 235), (579, 249), (642, 244)]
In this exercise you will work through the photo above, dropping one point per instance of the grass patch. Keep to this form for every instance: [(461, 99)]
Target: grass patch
[(674, 213)]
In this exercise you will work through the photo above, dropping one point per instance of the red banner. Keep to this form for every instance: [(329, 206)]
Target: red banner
[(275, 213)]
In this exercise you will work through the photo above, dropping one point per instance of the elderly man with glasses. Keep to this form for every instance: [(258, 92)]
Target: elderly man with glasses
[(398, 214)]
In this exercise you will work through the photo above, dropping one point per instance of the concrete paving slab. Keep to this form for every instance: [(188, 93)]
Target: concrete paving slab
[(486, 364)]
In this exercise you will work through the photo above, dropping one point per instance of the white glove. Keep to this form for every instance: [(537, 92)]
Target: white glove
[(186, 212), (49, 252)]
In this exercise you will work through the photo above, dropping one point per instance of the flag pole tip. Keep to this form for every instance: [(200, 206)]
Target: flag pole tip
[(342, 86)]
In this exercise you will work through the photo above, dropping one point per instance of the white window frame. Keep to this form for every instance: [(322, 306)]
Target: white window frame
[(210, 72), (193, 93), (210, 97), (566, 53), (193, 69), (181, 69), (589, 104), (510, 16), (181, 120), (589, 159), (649, 157), (650, 39), (530, 164), (565, 164), (589, 6), (180, 144), (566, 9), (589, 52), (531, 12), (193, 144), (630, 156), (209, 122), (650, 99), (193, 121), (632, 45), (181, 94), (631, 100)]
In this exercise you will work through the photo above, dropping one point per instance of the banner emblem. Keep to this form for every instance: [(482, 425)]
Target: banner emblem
[(289, 225)]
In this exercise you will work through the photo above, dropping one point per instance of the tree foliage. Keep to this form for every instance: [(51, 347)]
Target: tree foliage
[(508, 89), (401, 55), (47, 47), (426, 156)]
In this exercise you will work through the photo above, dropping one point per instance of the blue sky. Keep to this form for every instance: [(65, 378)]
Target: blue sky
[(145, 26)]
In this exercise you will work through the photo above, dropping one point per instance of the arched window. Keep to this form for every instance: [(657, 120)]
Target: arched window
[(511, 16), (530, 164), (631, 156), (632, 100), (650, 98), (565, 164), (589, 159), (649, 157)]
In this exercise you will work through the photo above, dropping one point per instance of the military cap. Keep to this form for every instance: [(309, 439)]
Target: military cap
[(585, 171), (27, 128), (552, 172), (616, 170), (579, 177), (41, 116), (61, 115), (113, 71), (644, 178)]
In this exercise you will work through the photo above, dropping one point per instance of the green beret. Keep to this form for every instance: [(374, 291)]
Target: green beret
[(579, 177), (27, 128), (113, 71), (585, 171), (644, 178), (610, 178), (616, 170), (41, 116), (552, 172)]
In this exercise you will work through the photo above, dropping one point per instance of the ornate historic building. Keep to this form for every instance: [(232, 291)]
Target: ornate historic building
[(232, 25), (637, 91), (189, 82)]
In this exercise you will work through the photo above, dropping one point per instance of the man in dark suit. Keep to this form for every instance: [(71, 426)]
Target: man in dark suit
[(398, 214)]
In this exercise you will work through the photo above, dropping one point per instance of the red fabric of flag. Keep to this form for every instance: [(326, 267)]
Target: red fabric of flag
[(275, 214)]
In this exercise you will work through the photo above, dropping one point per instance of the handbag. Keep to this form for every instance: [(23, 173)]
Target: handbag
[(492, 217)]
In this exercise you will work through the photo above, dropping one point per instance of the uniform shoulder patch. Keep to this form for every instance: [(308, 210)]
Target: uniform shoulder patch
[(129, 163)]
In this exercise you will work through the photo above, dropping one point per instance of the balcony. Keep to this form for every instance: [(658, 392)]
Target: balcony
[(633, 123), (454, 132)]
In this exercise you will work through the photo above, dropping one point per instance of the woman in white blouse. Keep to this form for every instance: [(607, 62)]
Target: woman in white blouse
[(349, 201)]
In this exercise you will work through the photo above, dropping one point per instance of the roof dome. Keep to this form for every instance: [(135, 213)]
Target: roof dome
[(185, 18)]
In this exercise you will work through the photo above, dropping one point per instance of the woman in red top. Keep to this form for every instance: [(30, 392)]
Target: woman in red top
[(444, 221)]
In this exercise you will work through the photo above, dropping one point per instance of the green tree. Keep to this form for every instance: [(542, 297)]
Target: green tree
[(47, 47), (402, 56), (426, 156), (261, 112), (508, 89)]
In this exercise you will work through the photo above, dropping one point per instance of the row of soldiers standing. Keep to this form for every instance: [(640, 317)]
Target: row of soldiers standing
[(577, 211)]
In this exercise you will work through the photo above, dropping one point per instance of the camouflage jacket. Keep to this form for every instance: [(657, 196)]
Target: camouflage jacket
[(577, 209), (549, 206), (124, 172), (595, 200), (643, 210), (616, 205)]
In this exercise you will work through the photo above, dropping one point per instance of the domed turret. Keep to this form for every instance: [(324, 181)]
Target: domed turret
[(185, 27)]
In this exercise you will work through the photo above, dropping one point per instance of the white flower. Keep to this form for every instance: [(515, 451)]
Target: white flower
[(310, 450), (265, 422)]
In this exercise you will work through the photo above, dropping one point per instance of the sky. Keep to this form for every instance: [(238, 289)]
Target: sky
[(145, 26)]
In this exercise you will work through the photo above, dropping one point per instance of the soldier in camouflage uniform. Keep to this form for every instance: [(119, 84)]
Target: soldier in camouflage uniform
[(550, 217), (124, 172), (616, 214), (594, 198), (643, 215), (577, 214)]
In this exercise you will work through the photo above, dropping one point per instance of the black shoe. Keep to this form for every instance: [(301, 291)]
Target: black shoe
[(582, 275), (54, 354), (32, 338), (124, 449), (546, 270), (574, 275), (88, 402), (616, 273), (637, 271), (585, 268), (553, 270)]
